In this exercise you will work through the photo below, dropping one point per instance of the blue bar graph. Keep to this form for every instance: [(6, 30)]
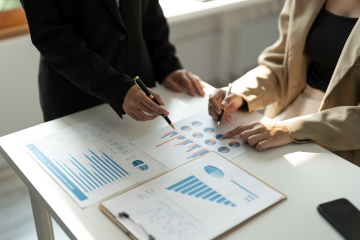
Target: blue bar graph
[(85, 175), (214, 198), (197, 190), (102, 168), (101, 164), (87, 181), (186, 185), (112, 169), (100, 178), (180, 183), (251, 197), (203, 192), (114, 162), (77, 177), (99, 172), (191, 186), (87, 172), (57, 172), (209, 195), (71, 176)]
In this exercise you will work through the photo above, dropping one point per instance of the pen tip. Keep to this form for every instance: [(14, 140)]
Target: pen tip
[(172, 125), (218, 123)]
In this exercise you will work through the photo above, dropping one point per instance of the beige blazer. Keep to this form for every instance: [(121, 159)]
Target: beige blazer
[(282, 74)]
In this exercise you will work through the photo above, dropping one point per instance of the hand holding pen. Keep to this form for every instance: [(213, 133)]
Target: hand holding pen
[(222, 107), (149, 94), (136, 104), (222, 100)]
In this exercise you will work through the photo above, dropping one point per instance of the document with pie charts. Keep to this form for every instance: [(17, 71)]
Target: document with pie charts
[(194, 136)]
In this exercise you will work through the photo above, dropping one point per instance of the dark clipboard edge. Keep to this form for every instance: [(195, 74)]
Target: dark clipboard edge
[(113, 218)]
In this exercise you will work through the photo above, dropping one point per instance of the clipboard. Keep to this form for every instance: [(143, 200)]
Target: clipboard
[(133, 235)]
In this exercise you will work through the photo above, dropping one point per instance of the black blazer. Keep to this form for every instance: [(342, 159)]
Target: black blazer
[(90, 52)]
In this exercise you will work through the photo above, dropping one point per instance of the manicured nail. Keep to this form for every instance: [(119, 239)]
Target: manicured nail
[(162, 103), (167, 113), (179, 90), (225, 135), (224, 102)]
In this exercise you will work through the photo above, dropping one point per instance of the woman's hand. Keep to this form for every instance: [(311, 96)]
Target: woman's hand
[(184, 78), (216, 100), (138, 106), (263, 135)]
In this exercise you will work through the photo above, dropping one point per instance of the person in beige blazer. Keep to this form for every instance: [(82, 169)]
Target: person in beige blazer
[(282, 76)]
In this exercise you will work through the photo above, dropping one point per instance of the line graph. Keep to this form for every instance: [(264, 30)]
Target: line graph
[(172, 221)]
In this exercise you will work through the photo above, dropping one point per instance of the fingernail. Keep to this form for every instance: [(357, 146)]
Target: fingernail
[(167, 114), (225, 135), (162, 103), (179, 90), (224, 102), (218, 112)]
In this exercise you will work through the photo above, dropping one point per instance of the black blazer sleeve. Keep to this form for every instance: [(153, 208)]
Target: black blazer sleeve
[(67, 53), (156, 35)]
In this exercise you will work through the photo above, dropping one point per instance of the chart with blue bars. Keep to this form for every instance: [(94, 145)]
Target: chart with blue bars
[(193, 187), (99, 171)]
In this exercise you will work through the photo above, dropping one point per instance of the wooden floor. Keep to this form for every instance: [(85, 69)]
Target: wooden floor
[(16, 219)]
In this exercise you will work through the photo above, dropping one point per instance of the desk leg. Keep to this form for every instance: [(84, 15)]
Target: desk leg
[(42, 219)]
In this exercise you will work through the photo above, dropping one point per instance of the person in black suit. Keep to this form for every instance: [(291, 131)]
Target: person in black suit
[(91, 50)]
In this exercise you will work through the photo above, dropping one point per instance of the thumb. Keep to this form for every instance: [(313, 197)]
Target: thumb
[(229, 100)]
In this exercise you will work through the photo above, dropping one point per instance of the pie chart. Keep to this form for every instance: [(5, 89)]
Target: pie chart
[(137, 162), (198, 135), (143, 167), (214, 171), (219, 137), (140, 165), (196, 123), (224, 150), (186, 128), (210, 142), (234, 144), (209, 130)]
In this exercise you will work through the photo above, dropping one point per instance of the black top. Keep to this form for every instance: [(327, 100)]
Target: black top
[(324, 44), (90, 52)]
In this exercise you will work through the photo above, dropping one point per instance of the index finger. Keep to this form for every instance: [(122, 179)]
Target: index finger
[(238, 130), (153, 106), (196, 84)]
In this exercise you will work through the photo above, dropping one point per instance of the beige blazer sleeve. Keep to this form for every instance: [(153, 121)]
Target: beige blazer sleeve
[(336, 129), (262, 85)]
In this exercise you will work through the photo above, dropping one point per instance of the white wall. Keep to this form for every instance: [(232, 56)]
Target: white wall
[(217, 48), (19, 102)]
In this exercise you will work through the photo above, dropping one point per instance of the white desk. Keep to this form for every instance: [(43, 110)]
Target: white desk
[(306, 173)]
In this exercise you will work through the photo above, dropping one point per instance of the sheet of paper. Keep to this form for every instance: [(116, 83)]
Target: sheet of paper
[(90, 161), (193, 137), (199, 200)]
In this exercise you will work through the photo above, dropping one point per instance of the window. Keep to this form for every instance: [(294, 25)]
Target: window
[(12, 19)]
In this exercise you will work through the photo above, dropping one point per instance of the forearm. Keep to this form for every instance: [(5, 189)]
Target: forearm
[(335, 129)]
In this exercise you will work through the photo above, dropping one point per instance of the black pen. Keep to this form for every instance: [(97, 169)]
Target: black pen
[(223, 108), (142, 87)]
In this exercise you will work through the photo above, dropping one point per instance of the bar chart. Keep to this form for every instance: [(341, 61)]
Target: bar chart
[(193, 187), (92, 161)]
